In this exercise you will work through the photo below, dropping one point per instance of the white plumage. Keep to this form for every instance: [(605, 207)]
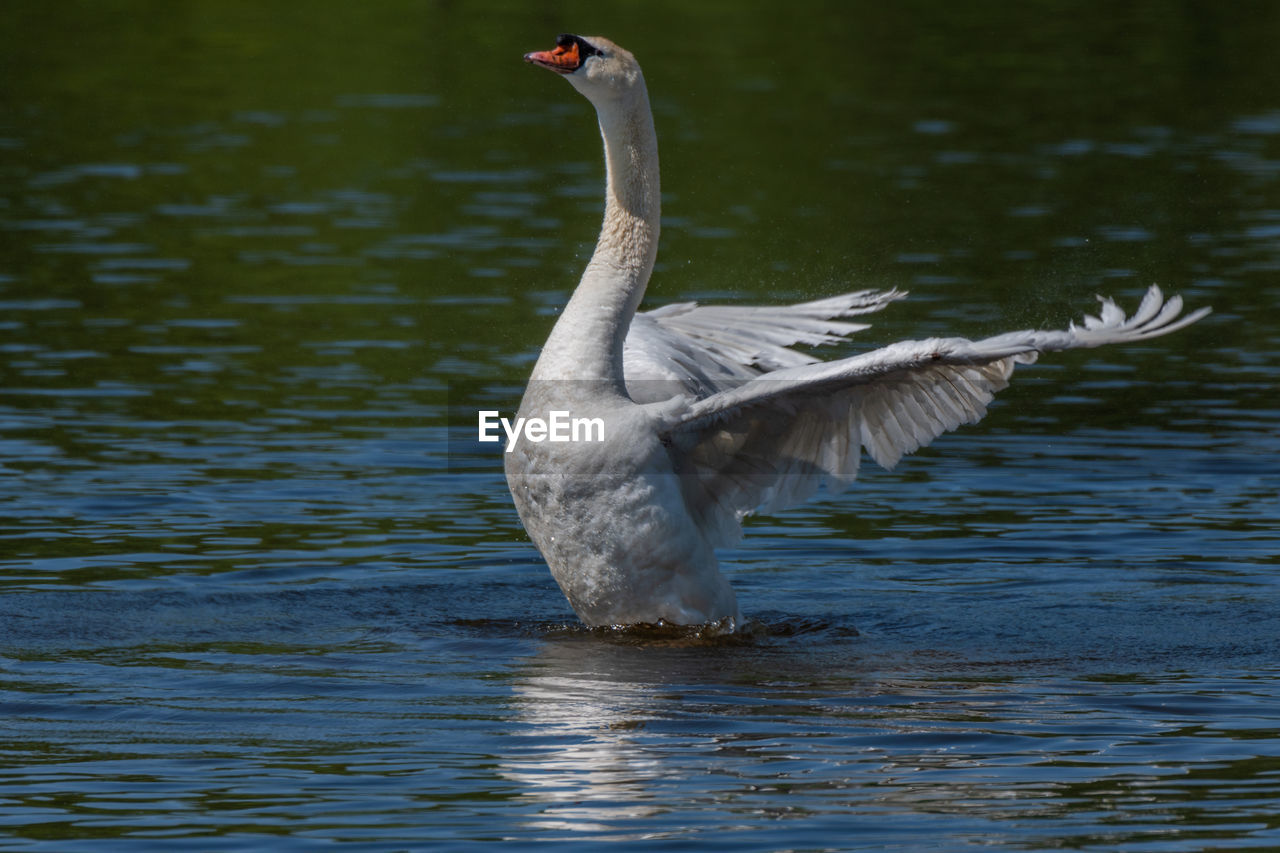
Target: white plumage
[(709, 414)]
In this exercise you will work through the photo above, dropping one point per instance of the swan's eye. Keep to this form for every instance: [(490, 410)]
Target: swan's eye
[(578, 44)]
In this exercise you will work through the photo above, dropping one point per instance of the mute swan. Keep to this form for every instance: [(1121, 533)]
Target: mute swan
[(707, 414)]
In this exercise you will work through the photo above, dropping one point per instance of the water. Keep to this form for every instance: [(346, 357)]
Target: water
[(252, 596)]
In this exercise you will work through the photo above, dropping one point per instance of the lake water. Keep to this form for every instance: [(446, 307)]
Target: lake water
[(258, 590)]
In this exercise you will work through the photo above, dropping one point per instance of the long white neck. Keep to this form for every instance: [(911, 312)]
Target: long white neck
[(587, 340)]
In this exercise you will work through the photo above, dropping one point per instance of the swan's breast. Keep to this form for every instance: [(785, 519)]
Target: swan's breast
[(611, 521)]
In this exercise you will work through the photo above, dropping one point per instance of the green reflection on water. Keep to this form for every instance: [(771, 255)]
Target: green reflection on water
[(282, 227)]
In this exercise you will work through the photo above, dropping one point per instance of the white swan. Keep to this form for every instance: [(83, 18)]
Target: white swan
[(707, 414)]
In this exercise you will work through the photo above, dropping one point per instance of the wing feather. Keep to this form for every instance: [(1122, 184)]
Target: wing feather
[(699, 350)]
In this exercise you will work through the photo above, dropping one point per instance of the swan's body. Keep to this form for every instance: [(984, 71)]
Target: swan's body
[(708, 414)]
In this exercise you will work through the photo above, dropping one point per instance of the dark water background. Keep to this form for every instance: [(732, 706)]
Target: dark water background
[(248, 600)]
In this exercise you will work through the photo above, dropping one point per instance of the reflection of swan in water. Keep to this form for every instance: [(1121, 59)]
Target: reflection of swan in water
[(618, 725), (585, 705), (617, 737), (708, 414)]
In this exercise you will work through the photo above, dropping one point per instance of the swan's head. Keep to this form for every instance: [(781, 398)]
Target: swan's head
[(595, 66)]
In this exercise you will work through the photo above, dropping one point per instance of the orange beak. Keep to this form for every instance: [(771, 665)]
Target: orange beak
[(565, 59)]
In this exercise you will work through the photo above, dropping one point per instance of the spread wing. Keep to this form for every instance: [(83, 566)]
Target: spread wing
[(770, 442), (699, 350)]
